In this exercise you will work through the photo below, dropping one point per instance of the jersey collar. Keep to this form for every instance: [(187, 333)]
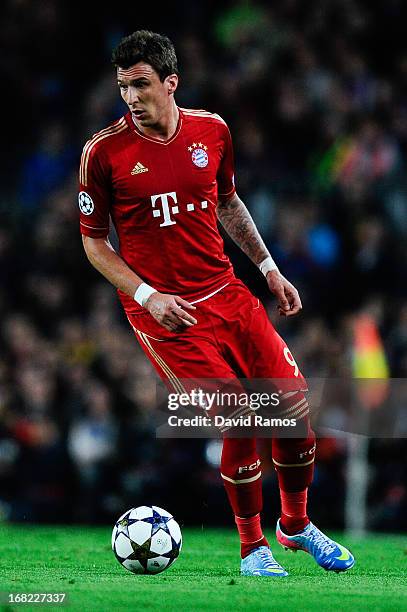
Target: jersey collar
[(134, 128)]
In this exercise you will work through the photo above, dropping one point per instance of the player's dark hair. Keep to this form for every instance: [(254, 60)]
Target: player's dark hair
[(148, 47)]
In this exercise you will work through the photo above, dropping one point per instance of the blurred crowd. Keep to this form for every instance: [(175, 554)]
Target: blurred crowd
[(315, 95)]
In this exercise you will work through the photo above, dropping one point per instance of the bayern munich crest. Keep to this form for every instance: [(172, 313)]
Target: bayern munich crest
[(198, 154)]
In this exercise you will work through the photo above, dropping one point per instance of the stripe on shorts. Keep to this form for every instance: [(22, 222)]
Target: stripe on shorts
[(176, 383), (299, 410)]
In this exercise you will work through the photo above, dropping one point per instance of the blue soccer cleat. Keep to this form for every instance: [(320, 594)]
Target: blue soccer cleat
[(328, 554), (261, 562)]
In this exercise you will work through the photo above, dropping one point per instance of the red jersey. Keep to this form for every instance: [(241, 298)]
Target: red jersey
[(161, 197)]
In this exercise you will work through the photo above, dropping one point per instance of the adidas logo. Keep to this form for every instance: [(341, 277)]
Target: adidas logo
[(139, 168)]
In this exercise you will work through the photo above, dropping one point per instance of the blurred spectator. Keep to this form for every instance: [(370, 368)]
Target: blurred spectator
[(47, 167), (92, 442)]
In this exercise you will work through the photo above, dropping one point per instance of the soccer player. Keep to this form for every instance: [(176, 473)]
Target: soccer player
[(165, 176)]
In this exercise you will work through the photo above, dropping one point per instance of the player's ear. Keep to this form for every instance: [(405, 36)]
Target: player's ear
[(172, 83)]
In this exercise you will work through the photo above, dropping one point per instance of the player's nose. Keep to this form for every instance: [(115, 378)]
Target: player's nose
[(132, 97)]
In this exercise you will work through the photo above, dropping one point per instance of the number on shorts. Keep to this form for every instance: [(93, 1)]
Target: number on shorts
[(290, 359)]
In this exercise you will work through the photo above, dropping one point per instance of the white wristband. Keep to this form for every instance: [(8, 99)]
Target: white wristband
[(142, 294), (267, 265)]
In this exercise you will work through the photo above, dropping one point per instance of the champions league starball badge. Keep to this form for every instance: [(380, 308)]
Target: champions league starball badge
[(86, 204), (198, 154)]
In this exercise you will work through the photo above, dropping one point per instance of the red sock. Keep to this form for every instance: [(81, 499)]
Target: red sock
[(251, 534), (241, 474), (293, 511)]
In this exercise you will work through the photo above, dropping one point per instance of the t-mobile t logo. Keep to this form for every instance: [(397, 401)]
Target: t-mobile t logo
[(167, 208), (163, 197)]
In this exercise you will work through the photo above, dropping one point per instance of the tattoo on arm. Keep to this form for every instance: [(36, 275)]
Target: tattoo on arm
[(240, 226)]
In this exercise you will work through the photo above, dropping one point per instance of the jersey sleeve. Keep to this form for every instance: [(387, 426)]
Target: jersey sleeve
[(94, 193), (226, 173)]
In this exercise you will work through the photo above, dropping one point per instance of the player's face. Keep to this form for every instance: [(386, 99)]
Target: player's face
[(148, 98)]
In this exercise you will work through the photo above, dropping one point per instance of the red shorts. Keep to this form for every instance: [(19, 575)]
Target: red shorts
[(233, 338)]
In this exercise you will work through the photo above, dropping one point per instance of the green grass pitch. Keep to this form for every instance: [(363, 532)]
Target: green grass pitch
[(79, 561)]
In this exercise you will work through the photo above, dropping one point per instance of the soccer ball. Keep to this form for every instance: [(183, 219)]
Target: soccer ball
[(146, 540)]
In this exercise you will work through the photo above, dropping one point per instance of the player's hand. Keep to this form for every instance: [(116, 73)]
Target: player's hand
[(289, 302), (170, 311)]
